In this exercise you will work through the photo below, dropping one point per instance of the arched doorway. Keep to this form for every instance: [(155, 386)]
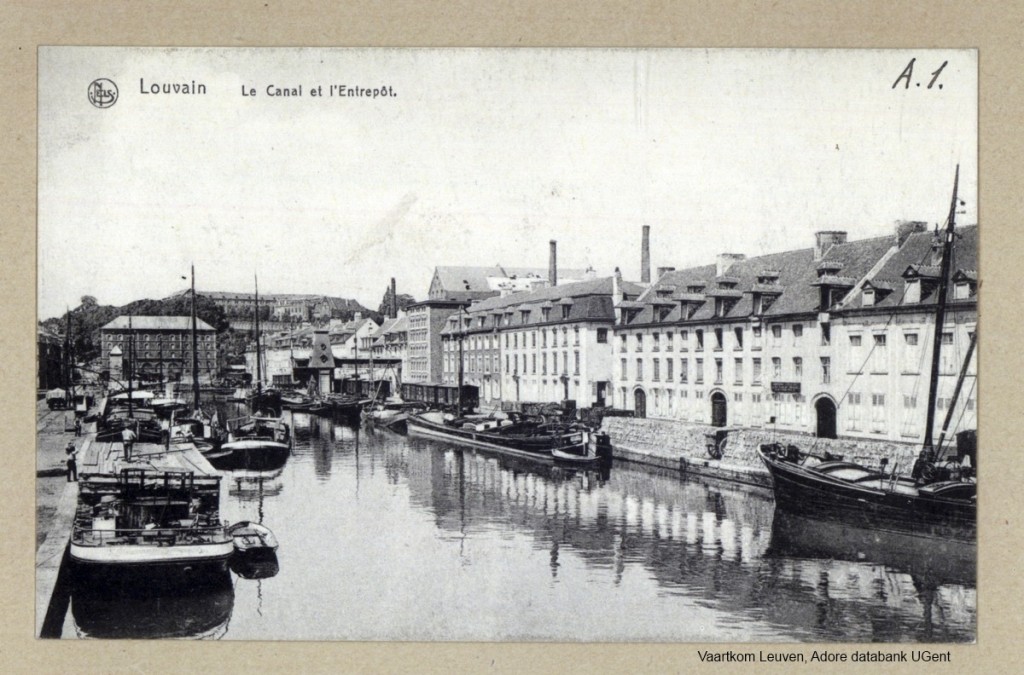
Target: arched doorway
[(826, 413), (639, 403), (719, 411)]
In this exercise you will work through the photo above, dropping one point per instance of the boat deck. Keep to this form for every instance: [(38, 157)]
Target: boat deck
[(107, 457)]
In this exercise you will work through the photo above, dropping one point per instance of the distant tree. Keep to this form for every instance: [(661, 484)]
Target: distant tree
[(88, 301)]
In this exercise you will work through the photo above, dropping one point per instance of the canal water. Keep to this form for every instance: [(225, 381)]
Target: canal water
[(387, 537)]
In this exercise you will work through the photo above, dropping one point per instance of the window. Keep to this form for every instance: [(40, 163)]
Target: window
[(639, 342), (576, 356), (565, 311), (684, 370), (544, 364), (719, 371), (655, 342), (776, 367), (856, 357), (576, 335), (776, 335), (684, 340), (853, 411), (826, 370), (602, 335), (565, 363), (718, 340), (656, 376), (533, 364), (961, 290), (534, 340), (700, 340), (798, 332), (622, 369), (669, 363), (544, 338), (878, 413), (826, 334), (879, 360), (699, 374), (639, 369), (565, 337), (506, 363), (947, 360), (798, 367), (669, 341), (738, 332), (622, 344), (757, 371), (738, 371)]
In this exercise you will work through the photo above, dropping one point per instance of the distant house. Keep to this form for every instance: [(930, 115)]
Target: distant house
[(162, 346)]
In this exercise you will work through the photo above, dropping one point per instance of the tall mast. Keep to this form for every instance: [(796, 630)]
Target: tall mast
[(462, 338), (68, 360), (131, 362), (259, 371), (940, 313), (195, 347)]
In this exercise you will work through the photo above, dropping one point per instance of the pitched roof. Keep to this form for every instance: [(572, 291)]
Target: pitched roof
[(590, 300), (795, 290), (182, 323), (917, 251)]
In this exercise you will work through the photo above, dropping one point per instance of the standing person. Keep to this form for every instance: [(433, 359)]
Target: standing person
[(78, 426), (128, 440), (72, 464)]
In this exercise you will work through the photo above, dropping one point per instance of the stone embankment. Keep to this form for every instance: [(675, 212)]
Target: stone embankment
[(682, 446)]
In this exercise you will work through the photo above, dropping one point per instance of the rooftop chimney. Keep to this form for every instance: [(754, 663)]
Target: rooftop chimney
[(826, 239), (553, 264), (725, 261), (662, 271), (394, 300), (645, 256)]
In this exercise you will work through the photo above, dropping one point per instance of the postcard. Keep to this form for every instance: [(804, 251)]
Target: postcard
[(557, 345)]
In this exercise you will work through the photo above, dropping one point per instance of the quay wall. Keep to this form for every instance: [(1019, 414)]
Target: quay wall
[(672, 444)]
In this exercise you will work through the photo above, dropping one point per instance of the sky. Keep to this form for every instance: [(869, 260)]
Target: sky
[(481, 157)]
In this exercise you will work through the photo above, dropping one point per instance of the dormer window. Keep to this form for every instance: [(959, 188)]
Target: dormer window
[(663, 312), (695, 288), (868, 298), (965, 284), (546, 313), (565, 311), (524, 317), (913, 293)]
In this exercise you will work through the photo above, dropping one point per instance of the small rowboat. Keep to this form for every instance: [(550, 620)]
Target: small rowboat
[(252, 537), (573, 458)]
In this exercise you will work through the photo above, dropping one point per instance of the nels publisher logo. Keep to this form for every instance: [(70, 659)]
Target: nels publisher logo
[(102, 93)]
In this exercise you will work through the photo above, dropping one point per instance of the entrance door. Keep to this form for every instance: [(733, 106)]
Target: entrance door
[(602, 388), (718, 409), (826, 411), (639, 403)]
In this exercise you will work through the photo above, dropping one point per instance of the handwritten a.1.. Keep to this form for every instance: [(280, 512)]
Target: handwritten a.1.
[(907, 76)]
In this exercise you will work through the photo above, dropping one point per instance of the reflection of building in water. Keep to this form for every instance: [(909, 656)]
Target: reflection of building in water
[(705, 541)]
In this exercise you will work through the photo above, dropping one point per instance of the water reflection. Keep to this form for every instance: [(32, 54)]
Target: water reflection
[(203, 614), (416, 539)]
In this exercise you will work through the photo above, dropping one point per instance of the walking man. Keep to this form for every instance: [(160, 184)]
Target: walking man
[(72, 463), (128, 440)]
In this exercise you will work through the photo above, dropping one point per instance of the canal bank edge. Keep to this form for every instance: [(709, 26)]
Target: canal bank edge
[(682, 446)]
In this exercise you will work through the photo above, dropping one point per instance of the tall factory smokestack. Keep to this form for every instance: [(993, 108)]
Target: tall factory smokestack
[(394, 300), (645, 256), (553, 264)]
